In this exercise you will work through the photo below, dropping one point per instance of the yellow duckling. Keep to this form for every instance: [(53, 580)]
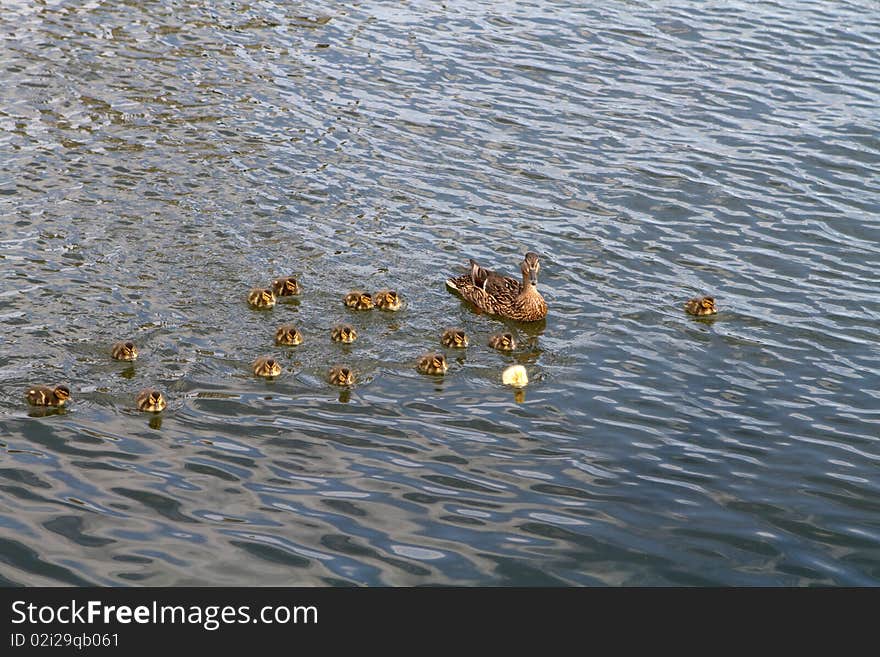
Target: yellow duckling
[(151, 400), (454, 338), (502, 342), (433, 363), (358, 300), (341, 376), (261, 297), (266, 366), (388, 300), (343, 333), (48, 396), (515, 376), (285, 287), (288, 336), (701, 306), (124, 351)]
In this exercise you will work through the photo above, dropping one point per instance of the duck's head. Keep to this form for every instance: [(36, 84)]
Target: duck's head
[(341, 375), (344, 333), (284, 287), (288, 335), (388, 300), (503, 341), (359, 300), (262, 297), (267, 366), (530, 267), (125, 351), (62, 393), (454, 338), (151, 400), (433, 364), (515, 375), (707, 306)]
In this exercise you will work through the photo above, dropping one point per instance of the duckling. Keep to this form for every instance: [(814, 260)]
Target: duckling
[(433, 363), (261, 297), (502, 342), (288, 335), (388, 300), (358, 300), (341, 376), (454, 338), (266, 366), (701, 306), (285, 287), (150, 400), (124, 351), (343, 333), (515, 376), (48, 396)]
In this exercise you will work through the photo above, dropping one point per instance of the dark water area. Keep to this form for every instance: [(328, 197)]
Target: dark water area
[(157, 160)]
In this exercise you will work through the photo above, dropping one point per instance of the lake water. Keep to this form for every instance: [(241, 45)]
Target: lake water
[(158, 160)]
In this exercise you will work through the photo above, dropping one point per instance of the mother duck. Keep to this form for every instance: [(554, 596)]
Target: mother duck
[(495, 294)]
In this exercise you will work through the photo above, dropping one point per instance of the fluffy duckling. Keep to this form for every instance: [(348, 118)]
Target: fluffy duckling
[(285, 287), (288, 336), (341, 376), (701, 306), (151, 400), (344, 333), (261, 297), (502, 342), (433, 363), (124, 351), (454, 338), (358, 300), (388, 300), (515, 376), (266, 366), (48, 396)]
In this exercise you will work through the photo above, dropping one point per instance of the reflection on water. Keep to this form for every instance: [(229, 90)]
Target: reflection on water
[(159, 161)]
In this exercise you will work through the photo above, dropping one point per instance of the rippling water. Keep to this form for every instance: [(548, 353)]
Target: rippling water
[(158, 160)]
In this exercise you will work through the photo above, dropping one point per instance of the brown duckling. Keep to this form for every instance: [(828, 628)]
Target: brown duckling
[(266, 366), (358, 300), (261, 297), (341, 376), (701, 306), (48, 396), (344, 333), (285, 287), (124, 351), (454, 338), (388, 300), (151, 400), (502, 342), (433, 363), (288, 336)]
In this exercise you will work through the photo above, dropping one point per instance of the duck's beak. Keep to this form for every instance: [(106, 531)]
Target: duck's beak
[(533, 277)]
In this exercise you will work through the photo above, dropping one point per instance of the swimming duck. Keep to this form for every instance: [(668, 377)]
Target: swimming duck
[(701, 306), (48, 396), (343, 333), (495, 294), (150, 400), (124, 351), (358, 300), (388, 300), (288, 336), (433, 363), (502, 342), (515, 376), (454, 338), (341, 376), (285, 287), (266, 366), (261, 298)]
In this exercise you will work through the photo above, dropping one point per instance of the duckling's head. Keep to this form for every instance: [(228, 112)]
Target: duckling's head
[(502, 341), (342, 376), (151, 400), (515, 375), (267, 366), (433, 364), (530, 267), (262, 298), (455, 338), (388, 300), (62, 393), (288, 335), (707, 306), (125, 351), (285, 287), (359, 300), (343, 333)]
